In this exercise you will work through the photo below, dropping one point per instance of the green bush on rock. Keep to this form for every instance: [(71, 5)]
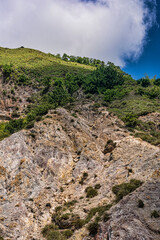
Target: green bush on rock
[(125, 188)]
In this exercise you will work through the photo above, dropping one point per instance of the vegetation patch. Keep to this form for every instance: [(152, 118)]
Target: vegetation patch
[(91, 192), (93, 228), (83, 178), (62, 223), (109, 147), (155, 214), (140, 203), (125, 188)]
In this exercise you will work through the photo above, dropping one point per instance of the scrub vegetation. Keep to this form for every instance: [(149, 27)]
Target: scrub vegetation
[(58, 80)]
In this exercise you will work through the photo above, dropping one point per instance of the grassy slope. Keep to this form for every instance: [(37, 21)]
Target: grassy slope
[(37, 66), (33, 61)]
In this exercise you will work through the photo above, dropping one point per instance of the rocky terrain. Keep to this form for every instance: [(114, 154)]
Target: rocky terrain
[(13, 99), (53, 163)]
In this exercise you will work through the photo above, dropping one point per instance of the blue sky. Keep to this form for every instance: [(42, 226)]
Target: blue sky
[(149, 61), (120, 31)]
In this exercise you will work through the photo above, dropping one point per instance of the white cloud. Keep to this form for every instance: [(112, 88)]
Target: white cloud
[(110, 30)]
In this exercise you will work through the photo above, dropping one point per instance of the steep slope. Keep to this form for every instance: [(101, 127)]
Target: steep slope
[(69, 167), (44, 167)]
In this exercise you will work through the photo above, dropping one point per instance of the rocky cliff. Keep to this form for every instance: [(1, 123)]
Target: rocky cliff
[(52, 164)]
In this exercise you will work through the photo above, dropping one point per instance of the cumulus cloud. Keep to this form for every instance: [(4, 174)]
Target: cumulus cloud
[(111, 30)]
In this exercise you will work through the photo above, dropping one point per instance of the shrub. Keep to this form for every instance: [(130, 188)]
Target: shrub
[(7, 70), (91, 192), (125, 188), (106, 217), (145, 82), (67, 233), (116, 93), (55, 235), (84, 177), (23, 79), (157, 82), (79, 223), (49, 228), (109, 147), (140, 203), (93, 228), (130, 120), (58, 209), (65, 216), (30, 125), (15, 115), (71, 203), (14, 125), (155, 214)]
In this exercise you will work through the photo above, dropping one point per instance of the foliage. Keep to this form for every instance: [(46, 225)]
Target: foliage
[(157, 82), (91, 192), (106, 217), (14, 125), (81, 60), (84, 177), (140, 203), (115, 93), (7, 70), (71, 203), (58, 83), (109, 147), (125, 188), (130, 120), (104, 77), (61, 223), (93, 228), (144, 82), (155, 214)]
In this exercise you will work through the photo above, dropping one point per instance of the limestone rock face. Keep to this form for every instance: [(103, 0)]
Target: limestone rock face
[(128, 221), (42, 168)]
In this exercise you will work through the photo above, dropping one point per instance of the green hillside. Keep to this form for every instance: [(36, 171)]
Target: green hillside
[(57, 83)]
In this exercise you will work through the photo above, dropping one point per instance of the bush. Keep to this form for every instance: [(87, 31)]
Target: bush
[(140, 203), (67, 233), (109, 147), (157, 82), (55, 235), (116, 93), (130, 120), (155, 214), (93, 228), (7, 70), (49, 228), (84, 177), (23, 79), (14, 125), (104, 77), (125, 188), (91, 192), (30, 125), (71, 203), (106, 217), (145, 82)]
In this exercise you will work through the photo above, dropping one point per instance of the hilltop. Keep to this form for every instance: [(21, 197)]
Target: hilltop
[(79, 150)]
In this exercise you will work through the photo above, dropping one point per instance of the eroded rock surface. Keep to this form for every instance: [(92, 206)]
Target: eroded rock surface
[(41, 168)]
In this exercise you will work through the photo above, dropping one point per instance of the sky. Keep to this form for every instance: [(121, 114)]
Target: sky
[(125, 32)]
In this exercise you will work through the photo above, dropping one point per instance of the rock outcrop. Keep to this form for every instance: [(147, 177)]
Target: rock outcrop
[(42, 168)]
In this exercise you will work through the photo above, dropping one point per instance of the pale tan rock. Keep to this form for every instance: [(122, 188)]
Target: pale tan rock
[(43, 166)]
